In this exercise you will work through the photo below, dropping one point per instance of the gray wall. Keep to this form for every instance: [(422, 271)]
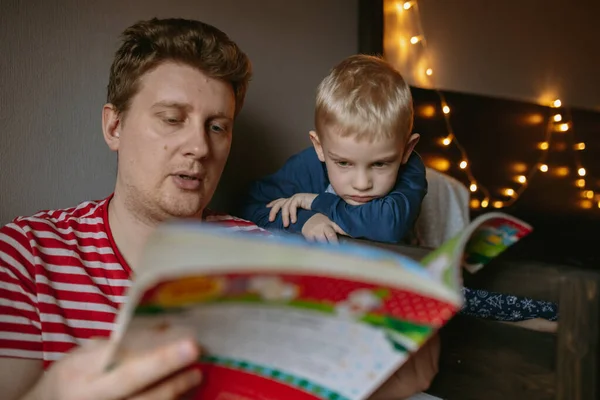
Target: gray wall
[(54, 71), (534, 50)]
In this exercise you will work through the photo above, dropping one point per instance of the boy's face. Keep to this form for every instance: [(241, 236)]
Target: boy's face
[(360, 171)]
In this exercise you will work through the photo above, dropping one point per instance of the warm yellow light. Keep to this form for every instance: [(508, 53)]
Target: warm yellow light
[(580, 183), (463, 164), (446, 141), (415, 40), (521, 179), (509, 192), (588, 194), (585, 204), (543, 146), (407, 5), (564, 127), (534, 119), (544, 168), (557, 118), (436, 162), (475, 203), (473, 187), (498, 204), (561, 171), (484, 203), (581, 171), (429, 72), (446, 110), (425, 111), (599, 204), (580, 146), (556, 103), (519, 167)]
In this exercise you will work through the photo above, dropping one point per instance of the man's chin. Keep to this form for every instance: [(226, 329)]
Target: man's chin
[(184, 206)]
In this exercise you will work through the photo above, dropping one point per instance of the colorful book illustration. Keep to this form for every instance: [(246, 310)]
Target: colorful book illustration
[(281, 318)]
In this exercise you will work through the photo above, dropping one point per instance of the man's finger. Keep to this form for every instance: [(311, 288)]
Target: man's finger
[(137, 373), (172, 388)]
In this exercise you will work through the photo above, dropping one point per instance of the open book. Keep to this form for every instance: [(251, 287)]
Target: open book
[(281, 318)]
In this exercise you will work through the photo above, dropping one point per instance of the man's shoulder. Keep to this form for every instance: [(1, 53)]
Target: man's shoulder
[(230, 221), (85, 216)]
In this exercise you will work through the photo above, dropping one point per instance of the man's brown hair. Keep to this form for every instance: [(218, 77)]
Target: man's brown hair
[(366, 97), (147, 44)]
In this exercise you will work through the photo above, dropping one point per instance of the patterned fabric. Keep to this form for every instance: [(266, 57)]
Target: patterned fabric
[(63, 279), (505, 307)]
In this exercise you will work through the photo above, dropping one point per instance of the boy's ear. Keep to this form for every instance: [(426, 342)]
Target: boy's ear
[(410, 146), (111, 124), (314, 138)]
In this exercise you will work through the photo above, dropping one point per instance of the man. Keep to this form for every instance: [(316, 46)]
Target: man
[(174, 90)]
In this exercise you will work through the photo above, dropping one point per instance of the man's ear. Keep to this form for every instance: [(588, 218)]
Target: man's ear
[(314, 138), (111, 125), (410, 146)]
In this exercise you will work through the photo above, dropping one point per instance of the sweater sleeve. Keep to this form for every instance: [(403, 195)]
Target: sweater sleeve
[(388, 219), (302, 173)]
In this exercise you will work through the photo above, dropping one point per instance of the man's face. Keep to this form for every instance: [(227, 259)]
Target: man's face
[(360, 171), (173, 142)]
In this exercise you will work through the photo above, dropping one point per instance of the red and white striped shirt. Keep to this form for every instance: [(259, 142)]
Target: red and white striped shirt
[(62, 279)]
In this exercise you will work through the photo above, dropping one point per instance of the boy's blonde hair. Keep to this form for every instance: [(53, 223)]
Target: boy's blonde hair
[(366, 97)]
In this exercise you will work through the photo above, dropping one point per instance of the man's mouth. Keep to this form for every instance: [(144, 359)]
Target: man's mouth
[(188, 181), (188, 177)]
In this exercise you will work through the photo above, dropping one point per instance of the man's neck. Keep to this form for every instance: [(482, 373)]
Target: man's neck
[(129, 231)]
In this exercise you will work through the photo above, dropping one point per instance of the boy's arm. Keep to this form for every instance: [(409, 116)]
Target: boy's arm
[(302, 173), (387, 219)]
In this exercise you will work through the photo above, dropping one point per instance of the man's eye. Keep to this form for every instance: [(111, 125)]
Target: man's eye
[(217, 128), (172, 121), (380, 164)]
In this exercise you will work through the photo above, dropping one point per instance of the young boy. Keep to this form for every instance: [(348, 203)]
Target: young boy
[(361, 178)]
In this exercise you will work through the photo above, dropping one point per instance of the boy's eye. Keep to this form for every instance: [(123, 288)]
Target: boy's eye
[(342, 163)]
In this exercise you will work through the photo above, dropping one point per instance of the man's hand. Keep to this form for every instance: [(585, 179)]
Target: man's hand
[(289, 207), (322, 229), (155, 374), (413, 377)]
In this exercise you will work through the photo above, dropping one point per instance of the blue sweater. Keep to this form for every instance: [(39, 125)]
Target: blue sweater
[(387, 219)]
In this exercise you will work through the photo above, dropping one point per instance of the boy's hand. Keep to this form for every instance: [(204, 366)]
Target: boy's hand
[(289, 207), (322, 229)]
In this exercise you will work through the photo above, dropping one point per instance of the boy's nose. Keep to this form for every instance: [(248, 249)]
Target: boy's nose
[(362, 182)]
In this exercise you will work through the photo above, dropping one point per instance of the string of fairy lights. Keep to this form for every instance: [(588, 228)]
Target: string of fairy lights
[(559, 121)]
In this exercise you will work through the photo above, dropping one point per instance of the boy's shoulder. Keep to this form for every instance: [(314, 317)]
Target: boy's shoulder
[(308, 154), (415, 162), (305, 158)]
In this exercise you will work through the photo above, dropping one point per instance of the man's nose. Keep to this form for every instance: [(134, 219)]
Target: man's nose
[(196, 141)]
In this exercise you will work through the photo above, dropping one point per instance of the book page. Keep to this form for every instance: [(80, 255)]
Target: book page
[(285, 320), (279, 318), (485, 238)]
